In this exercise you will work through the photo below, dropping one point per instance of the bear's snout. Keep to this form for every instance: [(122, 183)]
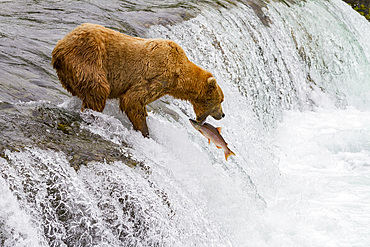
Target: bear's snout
[(218, 116)]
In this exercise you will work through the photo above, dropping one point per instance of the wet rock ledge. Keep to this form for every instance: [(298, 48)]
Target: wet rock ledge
[(49, 127)]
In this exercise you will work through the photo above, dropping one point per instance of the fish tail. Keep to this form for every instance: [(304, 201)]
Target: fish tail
[(228, 153)]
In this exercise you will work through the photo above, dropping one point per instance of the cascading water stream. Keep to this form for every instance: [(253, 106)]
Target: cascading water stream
[(296, 85)]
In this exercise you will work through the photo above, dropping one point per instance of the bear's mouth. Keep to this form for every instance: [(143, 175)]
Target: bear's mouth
[(202, 118), (218, 117)]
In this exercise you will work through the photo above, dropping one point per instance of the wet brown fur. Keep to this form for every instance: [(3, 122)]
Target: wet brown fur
[(95, 63)]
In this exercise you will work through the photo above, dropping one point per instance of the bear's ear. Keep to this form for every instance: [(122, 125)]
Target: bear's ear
[(211, 82)]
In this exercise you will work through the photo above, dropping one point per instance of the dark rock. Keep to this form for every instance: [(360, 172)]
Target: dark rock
[(51, 127), (361, 6)]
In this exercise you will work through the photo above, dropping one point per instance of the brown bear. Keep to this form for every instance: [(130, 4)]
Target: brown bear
[(95, 63)]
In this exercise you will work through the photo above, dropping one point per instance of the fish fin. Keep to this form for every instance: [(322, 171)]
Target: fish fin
[(227, 154), (219, 129), (218, 147)]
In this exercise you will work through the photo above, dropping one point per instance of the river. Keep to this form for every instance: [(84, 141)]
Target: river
[(296, 80)]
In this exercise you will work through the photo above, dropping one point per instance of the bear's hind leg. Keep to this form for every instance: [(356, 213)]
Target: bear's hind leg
[(95, 97)]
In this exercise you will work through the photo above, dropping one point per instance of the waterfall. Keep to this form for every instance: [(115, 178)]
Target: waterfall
[(296, 83)]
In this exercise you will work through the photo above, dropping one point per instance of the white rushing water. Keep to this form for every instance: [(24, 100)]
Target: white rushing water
[(297, 117), (313, 169)]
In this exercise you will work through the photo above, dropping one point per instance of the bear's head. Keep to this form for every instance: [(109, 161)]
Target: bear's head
[(209, 102)]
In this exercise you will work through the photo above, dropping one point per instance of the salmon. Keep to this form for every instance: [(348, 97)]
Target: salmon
[(213, 135)]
